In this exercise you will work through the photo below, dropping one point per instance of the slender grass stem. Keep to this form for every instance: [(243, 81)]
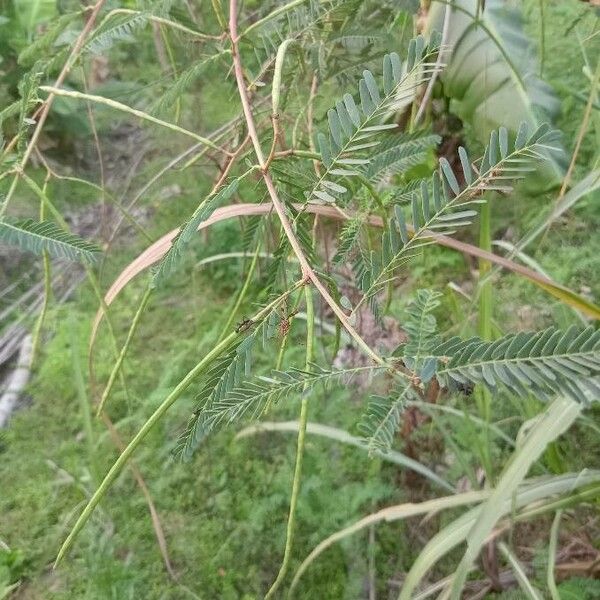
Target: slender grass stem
[(119, 362), (111, 332), (140, 114), (35, 343), (484, 398), (542, 51), (310, 336), (83, 401), (160, 21), (156, 416), (41, 193), (272, 15), (243, 291)]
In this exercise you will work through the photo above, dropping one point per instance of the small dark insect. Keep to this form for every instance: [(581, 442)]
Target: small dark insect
[(465, 388), (284, 324), (244, 325)]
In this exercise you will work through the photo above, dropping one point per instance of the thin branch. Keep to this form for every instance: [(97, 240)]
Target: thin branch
[(439, 63), (132, 111), (161, 21), (307, 271)]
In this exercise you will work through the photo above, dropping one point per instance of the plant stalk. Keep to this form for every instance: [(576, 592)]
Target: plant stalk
[(55, 91), (310, 336), (117, 366), (484, 397), (307, 271), (156, 416)]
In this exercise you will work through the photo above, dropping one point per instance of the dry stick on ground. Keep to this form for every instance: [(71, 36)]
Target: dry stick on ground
[(17, 382)]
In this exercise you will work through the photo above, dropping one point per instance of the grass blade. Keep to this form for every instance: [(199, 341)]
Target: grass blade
[(530, 592), (558, 417), (339, 435)]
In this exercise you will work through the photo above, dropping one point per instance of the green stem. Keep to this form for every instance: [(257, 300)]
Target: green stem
[(83, 400), (242, 294), (159, 21), (111, 330), (542, 36), (272, 15), (153, 420), (310, 330), (171, 56), (373, 192), (484, 398), (41, 193), (132, 111), (119, 362), (218, 10), (47, 287), (284, 340), (485, 292)]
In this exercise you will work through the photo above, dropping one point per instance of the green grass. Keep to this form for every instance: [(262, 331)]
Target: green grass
[(224, 514)]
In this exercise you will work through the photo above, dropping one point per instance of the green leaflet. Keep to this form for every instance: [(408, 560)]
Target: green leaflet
[(173, 257), (227, 373), (398, 153), (120, 28), (382, 418), (254, 397), (37, 237), (441, 206), (490, 72), (356, 127), (421, 326), (543, 363)]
